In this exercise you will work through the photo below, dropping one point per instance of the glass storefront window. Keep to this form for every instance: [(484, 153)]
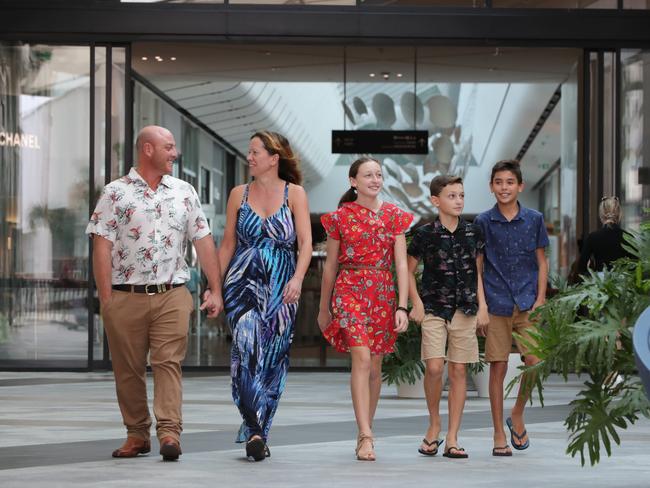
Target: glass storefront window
[(560, 4), (114, 126), (289, 2), (635, 144), (569, 103), (426, 3), (44, 149), (637, 4), (172, 1)]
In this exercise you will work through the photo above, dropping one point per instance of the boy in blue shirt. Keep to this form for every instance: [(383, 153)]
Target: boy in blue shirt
[(514, 271)]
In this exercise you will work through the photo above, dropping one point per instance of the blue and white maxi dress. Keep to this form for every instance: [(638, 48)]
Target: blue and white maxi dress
[(262, 325)]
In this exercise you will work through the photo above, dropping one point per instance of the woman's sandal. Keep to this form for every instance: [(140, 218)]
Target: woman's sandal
[(360, 440), (256, 448)]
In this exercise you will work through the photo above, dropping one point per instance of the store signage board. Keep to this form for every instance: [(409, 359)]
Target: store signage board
[(380, 142), (19, 139)]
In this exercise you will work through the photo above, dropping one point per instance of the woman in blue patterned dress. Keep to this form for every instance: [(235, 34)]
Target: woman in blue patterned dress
[(265, 220)]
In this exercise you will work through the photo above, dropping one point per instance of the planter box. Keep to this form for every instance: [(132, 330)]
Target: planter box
[(482, 379), (417, 390)]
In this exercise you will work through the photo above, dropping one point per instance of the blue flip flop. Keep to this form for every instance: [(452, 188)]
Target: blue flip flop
[(513, 434)]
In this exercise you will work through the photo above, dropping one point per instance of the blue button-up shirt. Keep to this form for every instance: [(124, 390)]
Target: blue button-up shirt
[(510, 264)]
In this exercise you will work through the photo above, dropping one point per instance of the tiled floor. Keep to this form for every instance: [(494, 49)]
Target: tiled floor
[(58, 429)]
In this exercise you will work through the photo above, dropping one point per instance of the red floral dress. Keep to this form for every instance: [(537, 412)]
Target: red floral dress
[(363, 301)]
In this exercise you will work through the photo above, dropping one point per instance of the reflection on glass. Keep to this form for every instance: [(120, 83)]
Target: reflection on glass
[(427, 3), (99, 171), (294, 2), (171, 1), (117, 121), (569, 175), (118, 116), (637, 4), (635, 147), (44, 93), (561, 4)]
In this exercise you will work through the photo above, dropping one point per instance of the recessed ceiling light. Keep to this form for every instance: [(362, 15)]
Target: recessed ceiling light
[(144, 58), (159, 59), (268, 53), (173, 58), (385, 75), (372, 75), (399, 75)]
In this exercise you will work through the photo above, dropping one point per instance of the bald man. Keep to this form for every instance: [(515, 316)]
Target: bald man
[(140, 231)]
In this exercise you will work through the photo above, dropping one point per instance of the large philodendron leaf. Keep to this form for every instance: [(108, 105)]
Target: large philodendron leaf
[(587, 329)]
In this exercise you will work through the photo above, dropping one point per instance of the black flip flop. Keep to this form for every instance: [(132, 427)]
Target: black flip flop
[(437, 442), (495, 451), (461, 454)]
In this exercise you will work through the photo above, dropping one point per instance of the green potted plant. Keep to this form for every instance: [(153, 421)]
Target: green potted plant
[(587, 330), (403, 366)]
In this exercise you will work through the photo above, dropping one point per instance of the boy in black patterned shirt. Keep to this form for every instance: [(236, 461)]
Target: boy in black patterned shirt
[(446, 307)]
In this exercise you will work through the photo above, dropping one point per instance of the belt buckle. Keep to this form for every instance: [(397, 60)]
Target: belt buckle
[(146, 290)]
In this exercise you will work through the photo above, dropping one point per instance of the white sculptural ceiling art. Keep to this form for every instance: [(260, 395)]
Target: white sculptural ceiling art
[(434, 109)]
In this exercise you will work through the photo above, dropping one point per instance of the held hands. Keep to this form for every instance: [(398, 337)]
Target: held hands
[(482, 321), (291, 293), (401, 320), (324, 319), (212, 303)]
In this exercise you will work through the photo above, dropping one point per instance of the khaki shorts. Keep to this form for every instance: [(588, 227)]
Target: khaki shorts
[(459, 335), (498, 343)]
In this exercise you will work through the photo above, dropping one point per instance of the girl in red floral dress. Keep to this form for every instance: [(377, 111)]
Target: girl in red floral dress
[(358, 310)]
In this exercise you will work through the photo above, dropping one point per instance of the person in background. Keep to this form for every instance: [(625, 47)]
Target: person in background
[(359, 312), (605, 245)]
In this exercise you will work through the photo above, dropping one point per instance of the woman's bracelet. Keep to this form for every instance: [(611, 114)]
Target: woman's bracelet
[(403, 309)]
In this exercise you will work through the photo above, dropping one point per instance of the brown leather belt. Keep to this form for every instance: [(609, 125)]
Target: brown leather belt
[(148, 289), (364, 266)]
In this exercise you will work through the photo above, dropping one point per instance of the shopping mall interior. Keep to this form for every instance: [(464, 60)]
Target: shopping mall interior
[(571, 109)]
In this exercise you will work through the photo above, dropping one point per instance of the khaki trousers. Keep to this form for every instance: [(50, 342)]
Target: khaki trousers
[(137, 324)]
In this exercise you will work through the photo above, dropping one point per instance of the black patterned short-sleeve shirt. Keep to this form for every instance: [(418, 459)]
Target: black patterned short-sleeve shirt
[(449, 278)]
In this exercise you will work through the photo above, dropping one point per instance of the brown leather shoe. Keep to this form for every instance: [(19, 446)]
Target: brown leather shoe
[(132, 447), (170, 449)]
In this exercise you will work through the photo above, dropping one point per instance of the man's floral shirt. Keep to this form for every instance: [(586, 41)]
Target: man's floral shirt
[(149, 229)]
